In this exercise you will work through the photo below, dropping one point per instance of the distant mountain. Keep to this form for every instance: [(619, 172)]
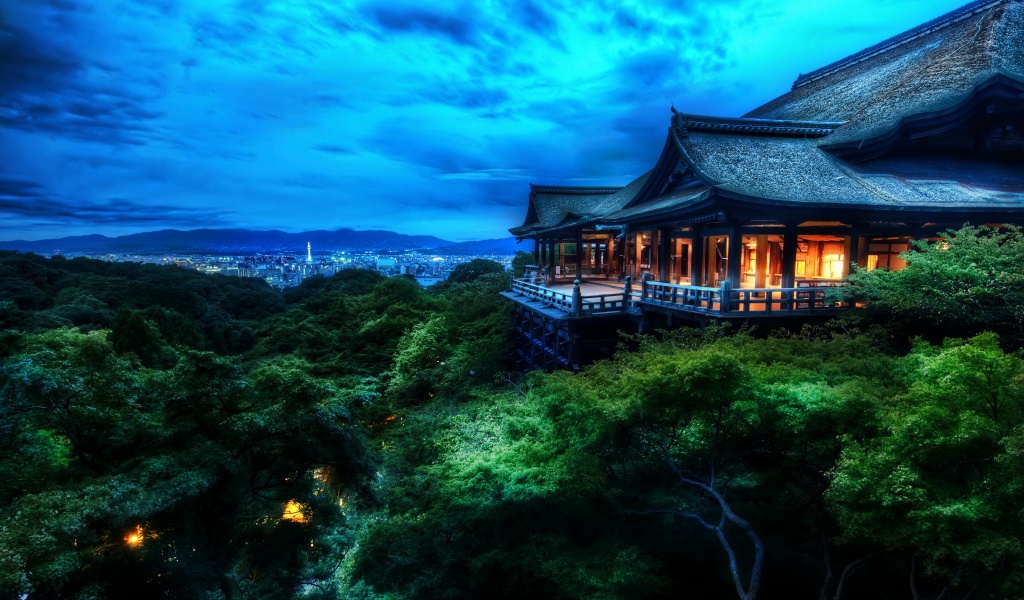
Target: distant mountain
[(501, 246), (230, 241)]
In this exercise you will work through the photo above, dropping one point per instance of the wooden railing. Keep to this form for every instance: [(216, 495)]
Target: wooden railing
[(724, 300), (688, 298), (542, 294), (596, 304), (574, 303)]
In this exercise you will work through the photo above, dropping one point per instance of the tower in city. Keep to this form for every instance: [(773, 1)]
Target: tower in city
[(309, 253)]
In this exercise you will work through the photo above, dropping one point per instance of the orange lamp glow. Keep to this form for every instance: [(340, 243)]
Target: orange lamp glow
[(135, 537), (293, 512)]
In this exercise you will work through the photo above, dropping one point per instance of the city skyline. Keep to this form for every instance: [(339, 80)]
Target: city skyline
[(122, 117)]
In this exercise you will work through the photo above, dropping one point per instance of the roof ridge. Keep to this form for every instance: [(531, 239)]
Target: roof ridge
[(921, 30), (685, 122)]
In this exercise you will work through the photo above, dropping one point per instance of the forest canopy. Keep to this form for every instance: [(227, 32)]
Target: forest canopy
[(169, 433)]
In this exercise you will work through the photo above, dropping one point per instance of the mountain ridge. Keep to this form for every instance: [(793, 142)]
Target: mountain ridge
[(244, 241)]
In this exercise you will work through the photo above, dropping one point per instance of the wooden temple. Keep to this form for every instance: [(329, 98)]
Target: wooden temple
[(755, 217)]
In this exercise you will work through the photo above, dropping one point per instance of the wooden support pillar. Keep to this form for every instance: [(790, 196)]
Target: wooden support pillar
[(735, 253), (551, 260), (863, 247), (579, 254), (664, 251), (696, 258), (536, 250), (852, 251), (789, 257), (761, 262), (637, 255), (610, 264)]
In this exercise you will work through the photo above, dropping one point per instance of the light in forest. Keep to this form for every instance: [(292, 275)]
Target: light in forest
[(135, 537), (293, 512)]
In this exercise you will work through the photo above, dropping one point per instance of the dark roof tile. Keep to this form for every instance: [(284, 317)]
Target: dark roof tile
[(926, 73)]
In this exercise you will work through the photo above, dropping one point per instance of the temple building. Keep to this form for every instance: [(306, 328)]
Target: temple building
[(755, 216)]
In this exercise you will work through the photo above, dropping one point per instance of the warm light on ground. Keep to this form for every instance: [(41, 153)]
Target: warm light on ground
[(293, 512), (135, 537)]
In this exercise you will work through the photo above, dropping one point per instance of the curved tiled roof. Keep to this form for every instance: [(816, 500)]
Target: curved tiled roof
[(558, 206), (947, 194), (791, 170), (964, 12), (673, 201), (773, 168), (929, 69)]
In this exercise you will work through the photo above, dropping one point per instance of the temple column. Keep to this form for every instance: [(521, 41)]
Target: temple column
[(610, 264), (761, 262), (735, 253), (852, 251), (664, 252), (579, 254), (536, 250), (696, 258), (634, 251), (789, 257), (551, 260)]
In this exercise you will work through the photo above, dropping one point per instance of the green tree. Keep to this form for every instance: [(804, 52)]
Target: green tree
[(135, 481), (968, 281), (535, 489), (931, 486), (131, 333), (478, 267), (520, 260)]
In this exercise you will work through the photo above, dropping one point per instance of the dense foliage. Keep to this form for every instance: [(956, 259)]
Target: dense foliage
[(970, 280), (165, 432), (366, 438)]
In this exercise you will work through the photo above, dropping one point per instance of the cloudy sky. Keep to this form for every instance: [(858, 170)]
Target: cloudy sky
[(119, 116)]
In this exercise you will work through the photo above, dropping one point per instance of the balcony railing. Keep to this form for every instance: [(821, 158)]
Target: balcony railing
[(808, 297), (574, 303), (723, 300)]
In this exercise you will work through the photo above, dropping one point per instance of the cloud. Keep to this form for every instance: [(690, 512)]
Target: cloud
[(485, 175), (27, 201), (467, 95), (299, 112), (460, 25), (334, 149), (534, 16), (47, 87), (31, 64)]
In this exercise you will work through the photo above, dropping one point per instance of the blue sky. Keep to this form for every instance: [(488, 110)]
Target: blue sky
[(418, 117)]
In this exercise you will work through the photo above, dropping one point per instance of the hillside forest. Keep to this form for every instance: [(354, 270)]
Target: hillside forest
[(165, 433)]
